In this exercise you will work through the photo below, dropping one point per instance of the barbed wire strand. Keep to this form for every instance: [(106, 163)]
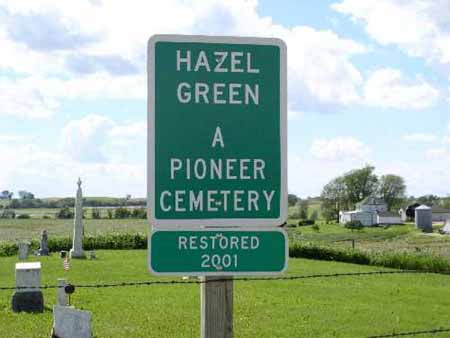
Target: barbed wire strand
[(412, 333), (241, 279)]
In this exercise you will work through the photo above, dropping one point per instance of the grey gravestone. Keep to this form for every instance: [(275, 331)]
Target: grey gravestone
[(43, 248), (77, 245), (23, 250), (28, 296), (71, 323)]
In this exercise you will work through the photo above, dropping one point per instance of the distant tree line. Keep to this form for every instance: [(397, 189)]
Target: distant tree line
[(96, 213), (70, 202)]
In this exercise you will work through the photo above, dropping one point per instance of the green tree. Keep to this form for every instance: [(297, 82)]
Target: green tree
[(65, 213), (392, 189), (428, 199), (333, 199), (303, 206), (23, 194), (314, 215), (292, 200), (122, 213), (360, 183)]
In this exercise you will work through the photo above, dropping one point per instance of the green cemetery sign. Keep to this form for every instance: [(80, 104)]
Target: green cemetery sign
[(218, 252), (217, 131)]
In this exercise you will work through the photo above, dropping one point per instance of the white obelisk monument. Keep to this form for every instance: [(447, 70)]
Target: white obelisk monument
[(77, 246)]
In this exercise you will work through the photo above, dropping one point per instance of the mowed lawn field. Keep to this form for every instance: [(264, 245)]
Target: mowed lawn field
[(328, 307)]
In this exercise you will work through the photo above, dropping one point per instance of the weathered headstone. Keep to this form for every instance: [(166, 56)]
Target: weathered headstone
[(77, 244), (28, 297), (71, 323), (43, 247), (63, 299), (23, 250)]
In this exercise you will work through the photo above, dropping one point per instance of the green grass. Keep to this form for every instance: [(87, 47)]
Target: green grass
[(343, 307), (29, 229)]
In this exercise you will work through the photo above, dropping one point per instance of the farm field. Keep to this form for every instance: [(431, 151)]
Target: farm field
[(343, 307), (376, 239), (17, 229)]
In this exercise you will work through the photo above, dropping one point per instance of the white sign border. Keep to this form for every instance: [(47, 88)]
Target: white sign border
[(214, 222), (222, 273)]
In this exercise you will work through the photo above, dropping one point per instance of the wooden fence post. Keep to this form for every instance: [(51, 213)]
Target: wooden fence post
[(216, 297)]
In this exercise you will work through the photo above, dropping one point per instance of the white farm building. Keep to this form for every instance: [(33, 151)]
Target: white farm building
[(370, 211), (440, 214)]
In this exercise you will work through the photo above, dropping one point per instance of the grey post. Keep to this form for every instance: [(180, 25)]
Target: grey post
[(217, 307), (62, 295)]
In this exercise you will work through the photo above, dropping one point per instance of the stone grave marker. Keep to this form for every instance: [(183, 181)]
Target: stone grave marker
[(28, 297), (43, 248), (78, 231), (69, 322), (23, 250)]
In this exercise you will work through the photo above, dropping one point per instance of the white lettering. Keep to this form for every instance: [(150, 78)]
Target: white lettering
[(184, 96), (202, 61), (186, 60), (218, 138)]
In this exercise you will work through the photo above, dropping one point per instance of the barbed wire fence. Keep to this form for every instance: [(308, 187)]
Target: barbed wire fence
[(258, 279)]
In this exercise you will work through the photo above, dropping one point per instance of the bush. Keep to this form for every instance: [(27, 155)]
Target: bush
[(139, 213), (96, 213), (23, 216), (305, 222), (7, 213), (110, 241), (109, 213), (122, 213), (354, 225), (65, 213), (395, 260)]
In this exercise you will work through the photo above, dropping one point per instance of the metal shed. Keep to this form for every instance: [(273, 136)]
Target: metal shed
[(424, 218)]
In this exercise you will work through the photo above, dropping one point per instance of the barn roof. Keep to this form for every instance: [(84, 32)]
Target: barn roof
[(436, 209), (371, 200)]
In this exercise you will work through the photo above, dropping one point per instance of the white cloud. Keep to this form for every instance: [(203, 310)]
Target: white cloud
[(418, 27), (37, 97), (84, 139), (420, 137), (388, 88), (321, 74), (17, 98), (98, 139), (48, 173), (437, 153), (339, 148)]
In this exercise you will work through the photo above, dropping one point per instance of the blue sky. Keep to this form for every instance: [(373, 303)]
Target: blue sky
[(368, 84)]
